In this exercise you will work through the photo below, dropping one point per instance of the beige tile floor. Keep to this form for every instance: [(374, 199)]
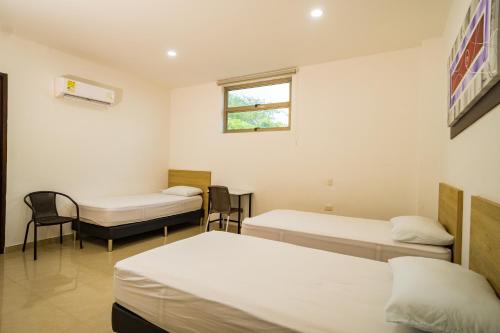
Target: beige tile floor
[(68, 289)]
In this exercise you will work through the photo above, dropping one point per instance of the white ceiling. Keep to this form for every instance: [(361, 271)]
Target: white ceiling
[(216, 39)]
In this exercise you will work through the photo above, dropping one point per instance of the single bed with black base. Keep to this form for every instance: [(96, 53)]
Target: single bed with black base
[(185, 210), (131, 229)]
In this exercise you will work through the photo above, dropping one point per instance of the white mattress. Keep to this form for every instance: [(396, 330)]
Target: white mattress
[(112, 211), (223, 282), (358, 237)]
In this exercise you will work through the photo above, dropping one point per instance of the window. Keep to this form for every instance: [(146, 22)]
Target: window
[(258, 106)]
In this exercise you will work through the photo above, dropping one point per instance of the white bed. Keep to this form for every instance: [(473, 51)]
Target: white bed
[(222, 282), (113, 211), (364, 238)]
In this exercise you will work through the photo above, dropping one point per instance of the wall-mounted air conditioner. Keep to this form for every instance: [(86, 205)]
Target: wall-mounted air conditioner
[(68, 87)]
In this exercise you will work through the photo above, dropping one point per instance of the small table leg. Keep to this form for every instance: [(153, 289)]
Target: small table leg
[(220, 221), (250, 205), (239, 214), (208, 215)]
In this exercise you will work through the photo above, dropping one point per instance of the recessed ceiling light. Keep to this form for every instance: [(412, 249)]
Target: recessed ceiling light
[(171, 53), (318, 12)]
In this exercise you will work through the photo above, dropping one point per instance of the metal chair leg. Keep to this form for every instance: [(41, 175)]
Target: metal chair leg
[(35, 241), (26, 235), (60, 234), (80, 236), (227, 221)]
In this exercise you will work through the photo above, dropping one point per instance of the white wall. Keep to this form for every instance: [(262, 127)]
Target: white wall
[(354, 121), (430, 125), (471, 161), (76, 147)]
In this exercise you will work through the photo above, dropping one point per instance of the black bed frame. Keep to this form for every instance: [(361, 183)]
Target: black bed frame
[(131, 229), (125, 321)]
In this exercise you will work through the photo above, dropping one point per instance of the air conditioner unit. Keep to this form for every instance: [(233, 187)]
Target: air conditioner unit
[(68, 87)]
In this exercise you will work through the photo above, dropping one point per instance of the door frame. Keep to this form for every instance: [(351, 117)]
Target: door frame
[(3, 147)]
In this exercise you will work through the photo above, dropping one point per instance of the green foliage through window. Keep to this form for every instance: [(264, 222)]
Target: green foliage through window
[(257, 119), (235, 99), (258, 113)]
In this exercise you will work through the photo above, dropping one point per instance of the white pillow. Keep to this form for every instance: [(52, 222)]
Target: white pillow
[(185, 191), (419, 230), (438, 296)]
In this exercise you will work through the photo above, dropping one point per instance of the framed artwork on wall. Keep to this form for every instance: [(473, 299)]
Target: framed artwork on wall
[(474, 66)]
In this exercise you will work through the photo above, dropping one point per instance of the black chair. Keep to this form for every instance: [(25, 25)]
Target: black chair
[(44, 213), (219, 201)]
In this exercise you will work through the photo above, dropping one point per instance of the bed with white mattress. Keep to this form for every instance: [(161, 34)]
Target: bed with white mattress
[(366, 238), (117, 217), (112, 218), (113, 211), (197, 285)]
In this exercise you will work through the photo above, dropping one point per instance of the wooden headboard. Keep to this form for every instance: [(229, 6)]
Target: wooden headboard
[(201, 179), (484, 255), (450, 212)]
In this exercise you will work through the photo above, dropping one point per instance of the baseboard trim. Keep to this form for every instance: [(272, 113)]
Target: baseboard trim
[(51, 240)]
